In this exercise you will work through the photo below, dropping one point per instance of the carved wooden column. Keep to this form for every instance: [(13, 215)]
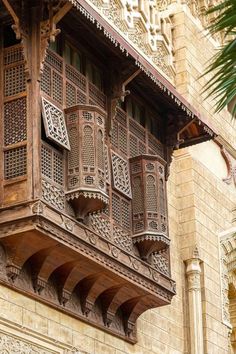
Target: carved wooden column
[(193, 272)]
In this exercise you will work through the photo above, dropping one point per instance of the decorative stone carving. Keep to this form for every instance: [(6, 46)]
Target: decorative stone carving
[(10, 344)]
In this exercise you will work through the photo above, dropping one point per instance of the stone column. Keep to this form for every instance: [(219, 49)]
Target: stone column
[(193, 272)]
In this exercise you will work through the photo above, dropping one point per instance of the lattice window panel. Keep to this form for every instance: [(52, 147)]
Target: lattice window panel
[(57, 87), (107, 166), (14, 80), (137, 196), (80, 98), (114, 135), (13, 54), (137, 130), (54, 60), (58, 168), (133, 146), (155, 146), (76, 77), (46, 161), (70, 95), (97, 96), (121, 176), (125, 214), (151, 194), (116, 211), (15, 121), (121, 211), (123, 140), (73, 159), (46, 81), (100, 150), (15, 162), (52, 164), (88, 148), (54, 123), (121, 116)]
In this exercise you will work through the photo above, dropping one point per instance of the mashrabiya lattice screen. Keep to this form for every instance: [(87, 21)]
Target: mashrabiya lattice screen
[(55, 125)]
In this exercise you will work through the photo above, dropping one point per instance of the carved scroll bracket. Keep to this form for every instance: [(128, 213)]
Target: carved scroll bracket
[(118, 92), (47, 31), (231, 166)]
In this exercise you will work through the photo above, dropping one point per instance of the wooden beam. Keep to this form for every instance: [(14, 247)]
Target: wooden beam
[(62, 12), (11, 11)]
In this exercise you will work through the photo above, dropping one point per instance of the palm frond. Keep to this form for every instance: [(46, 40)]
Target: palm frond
[(223, 66)]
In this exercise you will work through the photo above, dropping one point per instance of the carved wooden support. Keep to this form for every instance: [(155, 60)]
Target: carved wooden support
[(47, 30), (118, 82), (19, 252), (91, 287), (61, 263), (113, 298), (70, 275), (45, 262)]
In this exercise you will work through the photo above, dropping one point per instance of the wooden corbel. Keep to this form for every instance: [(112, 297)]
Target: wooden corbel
[(48, 29), (118, 93)]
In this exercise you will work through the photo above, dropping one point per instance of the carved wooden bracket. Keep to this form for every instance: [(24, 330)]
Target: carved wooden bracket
[(47, 30), (118, 83)]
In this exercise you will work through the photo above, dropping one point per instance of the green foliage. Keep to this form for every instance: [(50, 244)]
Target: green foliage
[(223, 83)]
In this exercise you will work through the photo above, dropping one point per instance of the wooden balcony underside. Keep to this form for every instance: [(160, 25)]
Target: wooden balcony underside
[(73, 269)]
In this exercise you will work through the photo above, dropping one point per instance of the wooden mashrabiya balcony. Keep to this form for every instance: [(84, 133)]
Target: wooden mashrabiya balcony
[(52, 257)]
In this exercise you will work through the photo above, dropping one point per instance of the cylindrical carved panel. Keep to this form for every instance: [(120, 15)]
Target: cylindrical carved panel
[(149, 204), (86, 179)]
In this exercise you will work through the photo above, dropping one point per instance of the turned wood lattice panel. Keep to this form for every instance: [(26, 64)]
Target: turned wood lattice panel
[(15, 162), (54, 123), (52, 176), (14, 80), (15, 125), (14, 114), (67, 86)]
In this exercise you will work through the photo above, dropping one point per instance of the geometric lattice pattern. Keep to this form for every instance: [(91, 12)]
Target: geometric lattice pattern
[(54, 123), (121, 211), (15, 162), (52, 164), (121, 177), (161, 263), (14, 80), (53, 195), (15, 128)]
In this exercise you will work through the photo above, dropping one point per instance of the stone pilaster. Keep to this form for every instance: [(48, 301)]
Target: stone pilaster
[(193, 272)]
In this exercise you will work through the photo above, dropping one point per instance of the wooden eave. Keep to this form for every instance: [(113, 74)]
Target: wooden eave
[(157, 88)]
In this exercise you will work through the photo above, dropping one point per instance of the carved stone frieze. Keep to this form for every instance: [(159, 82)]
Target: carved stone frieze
[(14, 345)]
